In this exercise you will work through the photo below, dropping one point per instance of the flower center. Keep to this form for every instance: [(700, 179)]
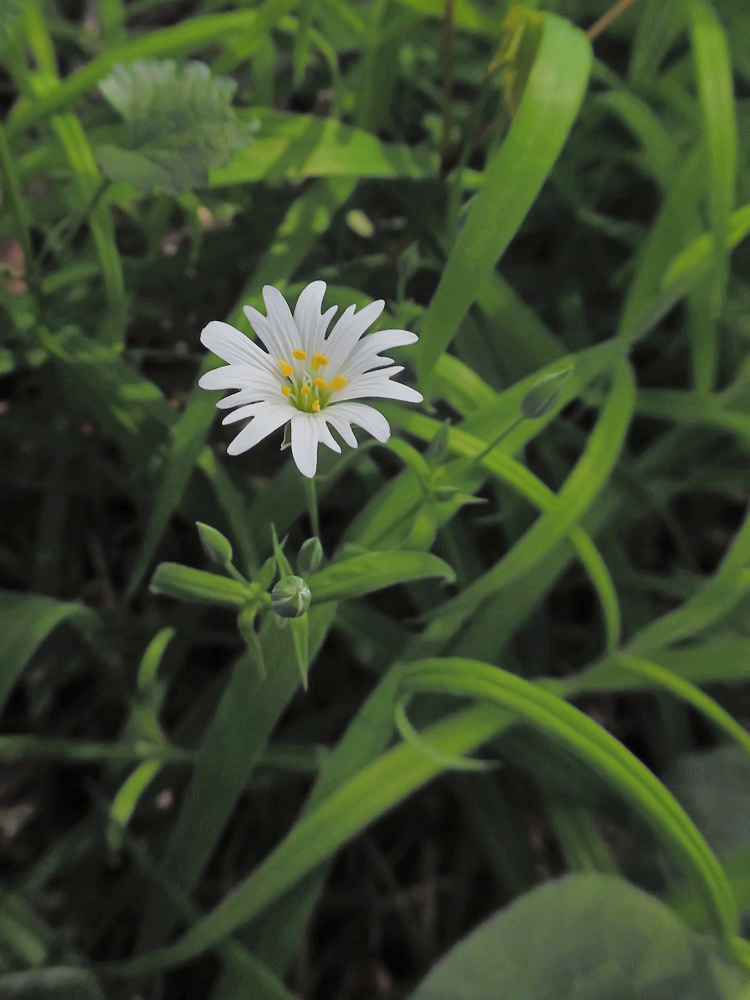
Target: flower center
[(305, 389)]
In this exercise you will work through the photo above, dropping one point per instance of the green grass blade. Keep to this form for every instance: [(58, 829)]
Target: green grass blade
[(373, 571), (602, 752), (25, 622), (512, 181), (713, 70), (584, 483), (688, 692)]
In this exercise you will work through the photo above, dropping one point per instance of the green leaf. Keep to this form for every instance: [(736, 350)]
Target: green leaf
[(585, 937), (234, 742), (512, 181), (197, 586), (180, 121), (50, 984), (602, 753), (375, 571), (713, 70), (189, 35), (298, 146), (714, 787), (25, 622)]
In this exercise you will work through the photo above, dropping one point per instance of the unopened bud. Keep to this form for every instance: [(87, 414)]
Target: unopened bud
[(545, 395), (310, 556), (217, 547), (291, 597)]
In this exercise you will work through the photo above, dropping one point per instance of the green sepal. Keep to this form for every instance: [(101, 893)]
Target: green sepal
[(197, 586)]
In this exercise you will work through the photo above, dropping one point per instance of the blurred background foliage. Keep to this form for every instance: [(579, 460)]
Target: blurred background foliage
[(530, 200)]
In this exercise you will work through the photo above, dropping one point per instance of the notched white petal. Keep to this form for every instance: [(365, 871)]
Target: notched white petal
[(305, 443), (260, 427)]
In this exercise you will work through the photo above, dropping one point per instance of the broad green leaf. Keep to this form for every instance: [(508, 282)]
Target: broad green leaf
[(26, 620), (512, 181), (374, 571), (585, 937), (714, 787), (180, 122)]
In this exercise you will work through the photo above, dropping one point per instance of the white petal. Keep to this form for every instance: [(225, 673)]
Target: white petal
[(367, 417), (343, 426), (273, 343), (233, 377), (233, 346), (348, 330), (261, 426), (310, 323), (366, 355), (280, 318), (305, 442), (325, 435), (245, 412), (378, 385), (251, 395)]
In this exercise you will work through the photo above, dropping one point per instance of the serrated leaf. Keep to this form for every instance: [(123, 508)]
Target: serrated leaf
[(180, 121)]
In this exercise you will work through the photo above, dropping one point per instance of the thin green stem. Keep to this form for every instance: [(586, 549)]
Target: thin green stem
[(12, 190), (312, 506), (501, 437)]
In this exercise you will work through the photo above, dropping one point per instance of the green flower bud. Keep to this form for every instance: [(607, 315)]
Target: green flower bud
[(217, 547), (310, 556), (291, 597), (545, 395)]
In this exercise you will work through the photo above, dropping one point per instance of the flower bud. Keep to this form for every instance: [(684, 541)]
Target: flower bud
[(310, 556), (217, 547), (291, 597), (545, 395)]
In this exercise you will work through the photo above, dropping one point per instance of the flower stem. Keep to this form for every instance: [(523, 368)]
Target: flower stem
[(312, 506), (491, 447)]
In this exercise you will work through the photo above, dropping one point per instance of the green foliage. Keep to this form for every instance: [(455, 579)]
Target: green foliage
[(587, 936), (180, 122), (558, 538)]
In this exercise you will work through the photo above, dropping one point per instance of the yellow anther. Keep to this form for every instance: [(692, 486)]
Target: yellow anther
[(320, 383), (299, 355), (286, 391), (286, 369), (305, 390), (316, 407), (339, 382), (319, 361)]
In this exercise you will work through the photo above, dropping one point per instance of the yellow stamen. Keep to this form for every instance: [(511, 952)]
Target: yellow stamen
[(286, 369), (319, 361), (299, 355), (316, 407), (286, 391), (339, 382), (305, 390), (320, 383)]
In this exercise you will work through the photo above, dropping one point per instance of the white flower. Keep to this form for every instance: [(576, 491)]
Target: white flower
[(304, 376)]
